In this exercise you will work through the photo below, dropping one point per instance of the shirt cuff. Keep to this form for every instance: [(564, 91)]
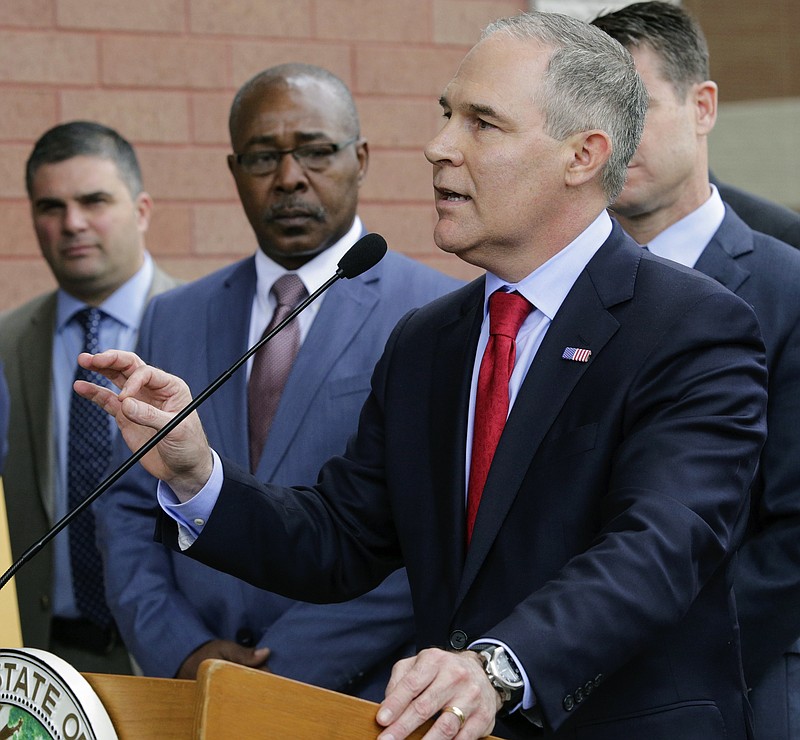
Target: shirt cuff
[(192, 515)]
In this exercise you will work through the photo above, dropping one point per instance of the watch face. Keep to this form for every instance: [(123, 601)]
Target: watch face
[(506, 669)]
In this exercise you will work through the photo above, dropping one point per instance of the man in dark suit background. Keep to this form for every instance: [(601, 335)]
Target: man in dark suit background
[(591, 593), (761, 214), (90, 213), (668, 204), (174, 612)]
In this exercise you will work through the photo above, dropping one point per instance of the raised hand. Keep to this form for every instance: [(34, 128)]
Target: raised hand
[(148, 399)]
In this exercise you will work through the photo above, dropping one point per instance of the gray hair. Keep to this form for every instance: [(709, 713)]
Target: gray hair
[(85, 139), (590, 83)]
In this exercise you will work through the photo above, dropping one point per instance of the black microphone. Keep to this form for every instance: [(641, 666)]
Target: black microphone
[(364, 254)]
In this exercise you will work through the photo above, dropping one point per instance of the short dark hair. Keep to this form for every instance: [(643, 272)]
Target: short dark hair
[(295, 70), (87, 139), (673, 34)]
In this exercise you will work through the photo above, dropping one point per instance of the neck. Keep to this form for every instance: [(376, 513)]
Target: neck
[(644, 224)]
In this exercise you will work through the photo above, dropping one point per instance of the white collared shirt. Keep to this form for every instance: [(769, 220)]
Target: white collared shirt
[(313, 275), (684, 241)]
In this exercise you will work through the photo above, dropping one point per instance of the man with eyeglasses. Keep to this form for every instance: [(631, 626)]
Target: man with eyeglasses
[(298, 162)]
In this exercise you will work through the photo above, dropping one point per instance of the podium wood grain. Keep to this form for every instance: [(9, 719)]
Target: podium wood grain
[(243, 702), (147, 708), (232, 701)]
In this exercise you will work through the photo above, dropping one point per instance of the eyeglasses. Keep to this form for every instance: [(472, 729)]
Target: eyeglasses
[(314, 157)]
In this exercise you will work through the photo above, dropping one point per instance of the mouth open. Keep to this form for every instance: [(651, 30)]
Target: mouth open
[(451, 196)]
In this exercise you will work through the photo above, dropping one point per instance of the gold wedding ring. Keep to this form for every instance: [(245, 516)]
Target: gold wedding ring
[(455, 710)]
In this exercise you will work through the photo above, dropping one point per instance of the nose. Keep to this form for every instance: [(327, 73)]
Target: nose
[(74, 219), (442, 148), (290, 176)]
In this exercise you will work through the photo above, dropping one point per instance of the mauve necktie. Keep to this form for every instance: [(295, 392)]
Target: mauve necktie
[(272, 363), (88, 455), (507, 311)]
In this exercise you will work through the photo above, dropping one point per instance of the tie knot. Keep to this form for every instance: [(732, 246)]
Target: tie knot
[(507, 311), (89, 319), (289, 290)]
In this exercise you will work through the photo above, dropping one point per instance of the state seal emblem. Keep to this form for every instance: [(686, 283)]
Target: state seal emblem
[(43, 697)]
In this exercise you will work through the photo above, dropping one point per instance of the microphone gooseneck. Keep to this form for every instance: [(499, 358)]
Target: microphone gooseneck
[(364, 254)]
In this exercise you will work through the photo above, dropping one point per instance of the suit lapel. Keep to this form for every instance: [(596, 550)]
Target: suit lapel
[(35, 358), (345, 308), (582, 321), (719, 258), (453, 360), (227, 333)]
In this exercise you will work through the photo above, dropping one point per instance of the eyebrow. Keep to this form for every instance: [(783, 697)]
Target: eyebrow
[(81, 197), (301, 137), (477, 109)]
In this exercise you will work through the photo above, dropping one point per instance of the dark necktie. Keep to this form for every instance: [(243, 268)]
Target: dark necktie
[(272, 363), (89, 451), (507, 311)]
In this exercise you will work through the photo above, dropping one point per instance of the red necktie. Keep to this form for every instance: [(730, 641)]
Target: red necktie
[(507, 311), (272, 364)]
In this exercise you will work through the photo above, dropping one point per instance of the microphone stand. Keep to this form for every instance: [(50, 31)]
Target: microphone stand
[(163, 432)]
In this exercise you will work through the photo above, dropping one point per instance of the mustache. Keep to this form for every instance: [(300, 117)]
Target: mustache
[(294, 207)]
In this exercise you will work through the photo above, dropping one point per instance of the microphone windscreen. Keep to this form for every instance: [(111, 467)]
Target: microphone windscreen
[(365, 253)]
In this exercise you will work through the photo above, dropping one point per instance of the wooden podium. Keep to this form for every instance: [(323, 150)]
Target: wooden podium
[(229, 700)]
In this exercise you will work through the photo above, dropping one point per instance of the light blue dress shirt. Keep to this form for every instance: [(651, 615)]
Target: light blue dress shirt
[(122, 312)]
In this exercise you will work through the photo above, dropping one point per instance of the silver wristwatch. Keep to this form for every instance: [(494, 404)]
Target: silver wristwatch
[(502, 671)]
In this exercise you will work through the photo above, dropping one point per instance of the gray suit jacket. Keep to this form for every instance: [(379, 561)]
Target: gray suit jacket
[(26, 340)]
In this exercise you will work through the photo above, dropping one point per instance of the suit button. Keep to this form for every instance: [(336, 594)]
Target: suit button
[(588, 688), (458, 639), (568, 703), (44, 602), (597, 679), (579, 695), (245, 637)]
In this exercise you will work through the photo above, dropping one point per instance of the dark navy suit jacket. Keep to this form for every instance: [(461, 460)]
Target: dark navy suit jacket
[(761, 214), (766, 273), (610, 516), (167, 605)]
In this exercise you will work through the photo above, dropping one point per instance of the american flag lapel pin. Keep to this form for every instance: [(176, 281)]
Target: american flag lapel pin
[(576, 354)]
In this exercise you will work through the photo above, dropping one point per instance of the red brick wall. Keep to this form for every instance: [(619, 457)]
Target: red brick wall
[(163, 73)]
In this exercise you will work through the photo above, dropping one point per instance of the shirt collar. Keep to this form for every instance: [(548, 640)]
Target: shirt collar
[(313, 273), (125, 304), (547, 286), (685, 240)]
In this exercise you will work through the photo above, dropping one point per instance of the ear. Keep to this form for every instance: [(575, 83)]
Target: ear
[(362, 152), (144, 210), (588, 152), (231, 159), (704, 96)]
